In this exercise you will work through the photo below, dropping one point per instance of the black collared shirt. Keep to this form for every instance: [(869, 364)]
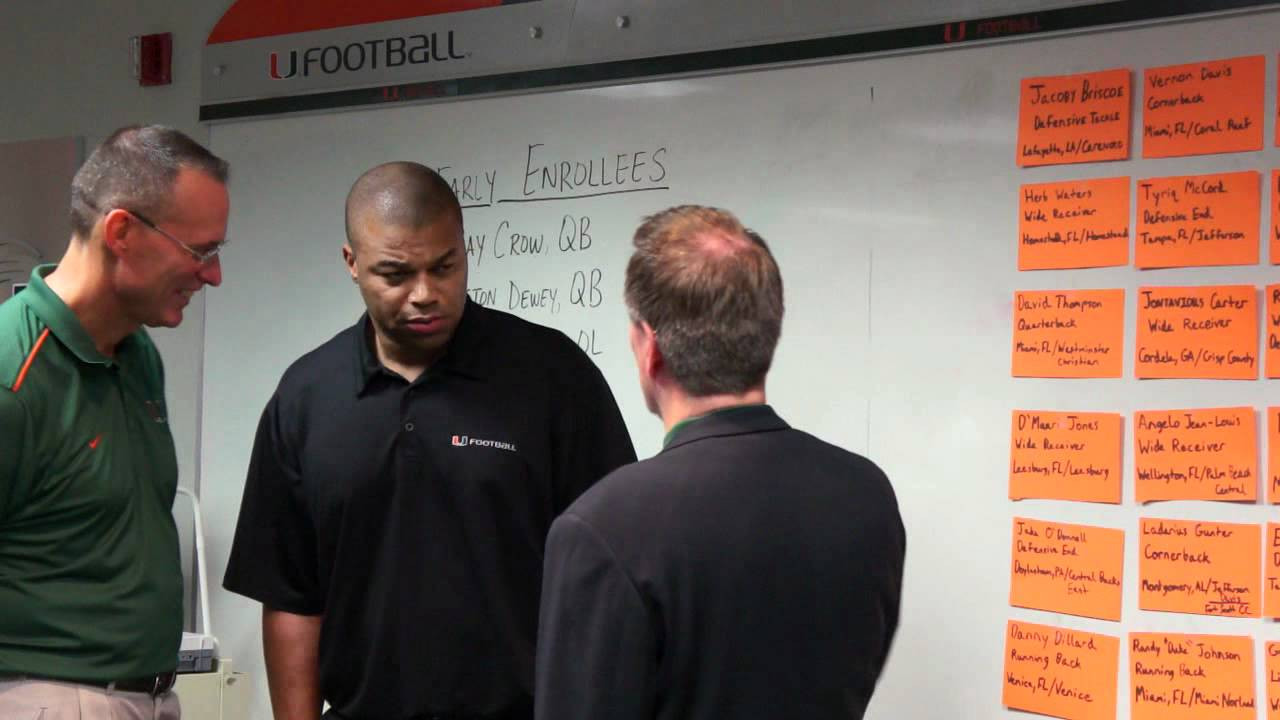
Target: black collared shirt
[(413, 515), (749, 571)]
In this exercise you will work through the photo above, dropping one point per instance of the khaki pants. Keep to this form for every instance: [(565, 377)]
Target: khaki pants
[(50, 700)]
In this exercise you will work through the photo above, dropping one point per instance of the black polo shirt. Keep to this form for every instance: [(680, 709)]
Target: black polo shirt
[(413, 515)]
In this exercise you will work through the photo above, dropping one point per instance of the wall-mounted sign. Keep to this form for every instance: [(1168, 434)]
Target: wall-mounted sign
[(266, 57)]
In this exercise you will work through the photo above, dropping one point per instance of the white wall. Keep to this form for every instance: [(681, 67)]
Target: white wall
[(35, 179), (66, 65)]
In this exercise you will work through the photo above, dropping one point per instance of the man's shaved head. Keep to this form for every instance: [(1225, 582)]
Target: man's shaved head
[(400, 194)]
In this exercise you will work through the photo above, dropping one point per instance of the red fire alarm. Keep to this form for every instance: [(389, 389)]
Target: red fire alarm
[(152, 59)]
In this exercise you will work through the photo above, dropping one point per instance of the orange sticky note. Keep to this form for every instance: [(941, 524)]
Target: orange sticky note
[(1273, 455), (1275, 216), (1060, 672), (1065, 456), (1271, 583), (1075, 224), (1278, 118), (1204, 568), (1198, 220), (1191, 677), (1068, 333), (1208, 454), (1204, 107), (1273, 681), (1273, 331), (1198, 332), (1074, 118), (1073, 569)]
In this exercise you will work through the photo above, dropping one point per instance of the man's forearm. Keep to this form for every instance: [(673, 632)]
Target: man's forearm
[(291, 646)]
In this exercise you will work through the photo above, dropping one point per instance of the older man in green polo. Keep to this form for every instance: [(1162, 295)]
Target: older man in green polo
[(90, 580)]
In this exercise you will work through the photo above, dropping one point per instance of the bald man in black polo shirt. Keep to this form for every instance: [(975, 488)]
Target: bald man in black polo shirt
[(404, 477), (749, 571)]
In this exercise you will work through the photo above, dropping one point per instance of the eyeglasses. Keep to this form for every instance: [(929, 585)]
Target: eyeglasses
[(198, 256)]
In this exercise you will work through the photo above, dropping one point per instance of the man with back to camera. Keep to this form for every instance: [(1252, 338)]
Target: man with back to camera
[(90, 578), (749, 570), (404, 476)]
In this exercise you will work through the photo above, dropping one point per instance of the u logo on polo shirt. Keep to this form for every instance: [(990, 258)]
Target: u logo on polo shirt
[(468, 441)]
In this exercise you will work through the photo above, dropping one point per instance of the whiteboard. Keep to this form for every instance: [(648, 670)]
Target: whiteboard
[(888, 190)]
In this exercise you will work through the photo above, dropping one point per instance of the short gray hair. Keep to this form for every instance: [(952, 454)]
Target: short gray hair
[(135, 169)]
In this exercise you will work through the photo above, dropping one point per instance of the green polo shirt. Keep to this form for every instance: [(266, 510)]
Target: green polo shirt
[(90, 579)]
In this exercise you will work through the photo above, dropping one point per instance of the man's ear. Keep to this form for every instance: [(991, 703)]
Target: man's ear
[(349, 257), (652, 353), (116, 228)]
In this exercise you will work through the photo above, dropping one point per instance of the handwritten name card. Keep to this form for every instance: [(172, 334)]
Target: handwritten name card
[(1205, 107), (1068, 333), (1208, 454), (1060, 672), (1273, 681), (1198, 332), (1073, 569), (1074, 118), (1273, 331), (1076, 224), (1273, 455), (1191, 677), (1271, 572), (1198, 220), (1275, 217), (1065, 456), (1278, 116), (1203, 568)]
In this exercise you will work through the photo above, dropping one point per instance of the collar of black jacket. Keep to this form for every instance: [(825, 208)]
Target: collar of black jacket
[(736, 420)]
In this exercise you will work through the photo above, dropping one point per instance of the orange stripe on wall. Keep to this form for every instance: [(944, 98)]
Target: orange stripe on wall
[(266, 18), (22, 374)]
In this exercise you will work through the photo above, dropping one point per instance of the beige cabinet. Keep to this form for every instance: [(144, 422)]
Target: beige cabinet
[(219, 695)]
